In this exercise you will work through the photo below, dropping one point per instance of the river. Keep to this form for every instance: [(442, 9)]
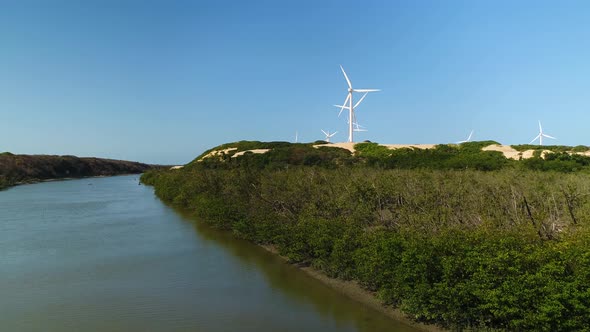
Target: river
[(104, 254)]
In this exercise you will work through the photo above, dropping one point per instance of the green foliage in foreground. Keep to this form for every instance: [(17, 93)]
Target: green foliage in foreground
[(504, 249)]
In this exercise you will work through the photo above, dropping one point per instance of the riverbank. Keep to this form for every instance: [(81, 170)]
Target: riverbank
[(22, 169), (353, 290), (33, 181)]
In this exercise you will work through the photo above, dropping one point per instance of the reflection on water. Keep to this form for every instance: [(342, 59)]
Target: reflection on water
[(104, 254)]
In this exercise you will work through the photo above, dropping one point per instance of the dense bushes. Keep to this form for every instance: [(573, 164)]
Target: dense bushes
[(558, 161), (504, 249), (427, 230), (465, 156)]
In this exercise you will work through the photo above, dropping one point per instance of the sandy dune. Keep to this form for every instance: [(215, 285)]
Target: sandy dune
[(217, 153), (350, 146), (511, 153), (237, 154)]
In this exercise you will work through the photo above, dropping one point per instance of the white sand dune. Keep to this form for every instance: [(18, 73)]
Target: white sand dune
[(237, 154), (350, 146), (217, 153)]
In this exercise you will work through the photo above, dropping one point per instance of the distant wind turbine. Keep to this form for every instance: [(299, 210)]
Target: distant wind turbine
[(541, 135), (468, 138), (328, 135), (358, 127), (348, 104), (296, 136)]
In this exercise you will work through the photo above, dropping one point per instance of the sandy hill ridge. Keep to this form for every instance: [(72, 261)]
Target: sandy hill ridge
[(507, 150)]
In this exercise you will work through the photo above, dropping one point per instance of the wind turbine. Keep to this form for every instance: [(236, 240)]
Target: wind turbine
[(541, 135), (328, 135), (296, 136), (356, 125), (468, 138), (348, 104)]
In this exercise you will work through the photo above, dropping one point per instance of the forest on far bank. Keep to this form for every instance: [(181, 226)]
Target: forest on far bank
[(15, 169)]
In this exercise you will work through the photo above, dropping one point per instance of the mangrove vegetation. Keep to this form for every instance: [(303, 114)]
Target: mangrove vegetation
[(453, 236)]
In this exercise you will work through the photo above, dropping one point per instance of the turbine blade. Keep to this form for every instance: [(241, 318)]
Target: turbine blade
[(540, 128), (355, 123), (345, 101), (365, 90), (534, 139), (470, 134), (324, 132), (358, 102), (346, 76), (549, 136)]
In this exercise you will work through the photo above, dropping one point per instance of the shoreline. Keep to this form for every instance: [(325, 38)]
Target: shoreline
[(36, 181), (354, 291)]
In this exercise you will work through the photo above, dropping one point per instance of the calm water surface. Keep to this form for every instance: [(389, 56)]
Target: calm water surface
[(104, 254)]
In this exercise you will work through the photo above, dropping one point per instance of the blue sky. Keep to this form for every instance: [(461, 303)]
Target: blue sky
[(162, 81)]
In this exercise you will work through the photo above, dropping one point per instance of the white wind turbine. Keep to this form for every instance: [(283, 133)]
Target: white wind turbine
[(348, 104), (468, 138), (358, 127), (541, 135), (296, 136), (328, 135)]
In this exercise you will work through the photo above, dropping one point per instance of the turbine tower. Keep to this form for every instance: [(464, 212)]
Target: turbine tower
[(348, 104), (468, 138), (328, 135), (541, 135)]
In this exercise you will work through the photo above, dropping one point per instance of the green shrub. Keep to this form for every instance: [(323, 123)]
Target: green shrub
[(427, 230)]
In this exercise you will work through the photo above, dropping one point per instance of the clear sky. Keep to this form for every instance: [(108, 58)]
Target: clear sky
[(162, 81)]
